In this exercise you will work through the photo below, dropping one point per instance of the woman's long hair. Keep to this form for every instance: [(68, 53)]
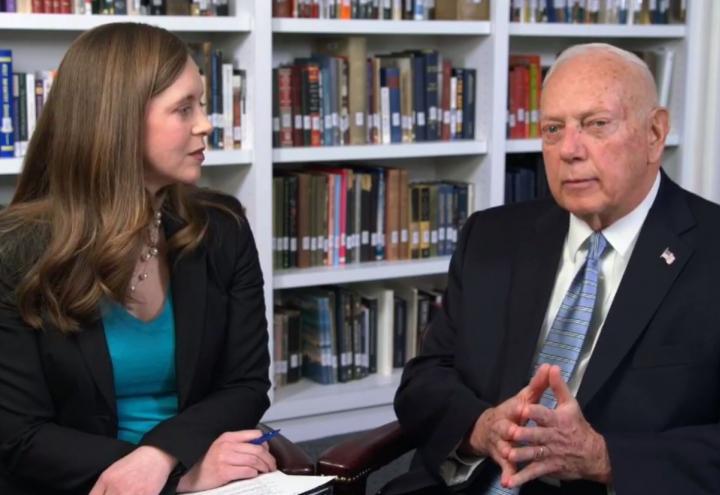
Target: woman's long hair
[(81, 196)]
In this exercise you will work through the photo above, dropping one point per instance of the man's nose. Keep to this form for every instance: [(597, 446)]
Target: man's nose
[(572, 147)]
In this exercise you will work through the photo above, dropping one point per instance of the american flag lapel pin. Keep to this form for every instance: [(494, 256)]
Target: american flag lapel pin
[(668, 256)]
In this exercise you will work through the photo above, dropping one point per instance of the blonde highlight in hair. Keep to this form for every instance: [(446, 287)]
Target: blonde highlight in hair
[(82, 187)]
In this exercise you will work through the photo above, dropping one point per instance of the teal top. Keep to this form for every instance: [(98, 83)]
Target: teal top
[(143, 362)]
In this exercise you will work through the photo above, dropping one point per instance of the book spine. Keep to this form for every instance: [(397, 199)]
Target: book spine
[(7, 138)]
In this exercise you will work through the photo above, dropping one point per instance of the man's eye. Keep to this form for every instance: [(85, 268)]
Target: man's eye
[(598, 123), (551, 129)]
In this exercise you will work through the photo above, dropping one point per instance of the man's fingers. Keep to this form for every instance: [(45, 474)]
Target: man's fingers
[(532, 435), (530, 472), (538, 383), (240, 436), (558, 386), (529, 453), (540, 414)]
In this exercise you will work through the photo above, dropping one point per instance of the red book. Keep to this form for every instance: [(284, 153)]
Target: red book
[(285, 101), (445, 100)]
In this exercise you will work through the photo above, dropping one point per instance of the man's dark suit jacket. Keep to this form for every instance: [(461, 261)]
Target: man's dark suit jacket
[(652, 386), (58, 421)]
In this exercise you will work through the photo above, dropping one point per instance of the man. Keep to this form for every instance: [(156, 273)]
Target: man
[(579, 346)]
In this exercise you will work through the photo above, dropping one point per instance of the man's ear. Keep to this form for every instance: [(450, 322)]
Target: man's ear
[(657, 132)]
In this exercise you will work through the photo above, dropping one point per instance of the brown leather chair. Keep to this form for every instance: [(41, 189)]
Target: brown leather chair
[(290, 458), (354, 459)]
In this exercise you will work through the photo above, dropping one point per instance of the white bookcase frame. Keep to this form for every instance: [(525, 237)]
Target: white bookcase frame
[(257, 43)]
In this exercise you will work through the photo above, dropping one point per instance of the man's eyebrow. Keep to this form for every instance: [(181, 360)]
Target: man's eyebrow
[(581, 116)]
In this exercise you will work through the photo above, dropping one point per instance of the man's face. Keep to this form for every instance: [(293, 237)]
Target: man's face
[(598, 144)]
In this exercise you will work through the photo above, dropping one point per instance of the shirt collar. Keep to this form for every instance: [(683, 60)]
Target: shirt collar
[(621, 234)]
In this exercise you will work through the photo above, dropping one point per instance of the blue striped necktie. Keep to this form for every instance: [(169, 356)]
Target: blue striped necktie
[(567, 333)]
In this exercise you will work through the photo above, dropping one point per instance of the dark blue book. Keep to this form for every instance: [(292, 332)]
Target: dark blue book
[(469, 80), (216, 112), (550, 10), (432, 102), (327, 96), (392, 82), (7, 138), (418, 97)]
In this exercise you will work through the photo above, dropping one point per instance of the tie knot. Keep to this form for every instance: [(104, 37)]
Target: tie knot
[(598, 243)]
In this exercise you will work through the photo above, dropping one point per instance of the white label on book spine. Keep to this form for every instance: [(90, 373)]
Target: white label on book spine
[(313, 244), (306, 122), (359, 118), (328, 121), (280, 367), (286, 120), (294, 360), (403, 235), (664, 5), (653, 5), (373, 239), (459, 116), (237, 133), (534, 116), (305, 243), (381, 239), (345, 359), (286, 243), (426, 236), (446, 117), (316, 123), (594, 5), (298, 122), (432, 113), (406, 122), (365, 237), (441, 234), (276, 124), (433, 236), (421, 119), (521, 115), (335, 119), (344, 123), (293, 244), (394, 237), (415, 238), (395, 119), (331, 242)]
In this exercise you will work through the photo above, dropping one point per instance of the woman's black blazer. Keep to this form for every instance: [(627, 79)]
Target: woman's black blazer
[(58, 420)]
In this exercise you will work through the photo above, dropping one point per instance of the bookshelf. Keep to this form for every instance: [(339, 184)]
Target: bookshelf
[(257, 43)]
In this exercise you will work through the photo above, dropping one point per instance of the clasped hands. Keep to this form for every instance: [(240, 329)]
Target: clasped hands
[(560, 444), (145, 470)]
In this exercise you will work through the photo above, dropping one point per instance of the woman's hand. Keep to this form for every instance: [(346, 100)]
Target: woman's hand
[(229, 458), (144, 471)]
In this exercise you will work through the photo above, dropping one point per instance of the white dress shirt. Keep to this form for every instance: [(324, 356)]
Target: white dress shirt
[(621, 236)]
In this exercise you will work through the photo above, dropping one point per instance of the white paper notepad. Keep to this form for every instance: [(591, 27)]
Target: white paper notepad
[(275, 483)]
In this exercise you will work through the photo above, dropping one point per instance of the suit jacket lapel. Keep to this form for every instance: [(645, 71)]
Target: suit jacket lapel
[(188, 281), (646, 281), (94, 349), (534, 271)]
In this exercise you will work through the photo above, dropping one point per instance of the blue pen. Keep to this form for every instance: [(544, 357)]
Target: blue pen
[(265, 437)]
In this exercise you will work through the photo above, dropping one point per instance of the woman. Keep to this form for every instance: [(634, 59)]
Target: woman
[(133, 342)]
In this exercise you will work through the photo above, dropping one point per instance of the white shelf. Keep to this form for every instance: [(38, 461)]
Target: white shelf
[(560, 30), (339, 26), (230, 157), (12, 166), (73, 22), (359, 272), (307, 398), (379, 151), (535, 145)]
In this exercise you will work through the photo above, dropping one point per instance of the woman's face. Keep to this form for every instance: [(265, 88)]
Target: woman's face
[(175, 127)]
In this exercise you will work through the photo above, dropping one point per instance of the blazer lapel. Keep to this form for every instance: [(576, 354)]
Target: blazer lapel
[(534, 271), (188, 281), (94, 349), (647, 279)]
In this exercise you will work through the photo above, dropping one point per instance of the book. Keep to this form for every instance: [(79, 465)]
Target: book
[(7, 138)]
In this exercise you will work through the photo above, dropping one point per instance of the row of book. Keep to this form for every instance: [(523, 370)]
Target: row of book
[(413, 10), (338, 216), (225, 96), (338, 334), (525, 87), (339, 96), (599, 11), (118, 7), (23, 96), (525, 178)]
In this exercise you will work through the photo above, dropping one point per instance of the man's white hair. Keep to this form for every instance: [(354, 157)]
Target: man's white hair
[(590, 48)]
